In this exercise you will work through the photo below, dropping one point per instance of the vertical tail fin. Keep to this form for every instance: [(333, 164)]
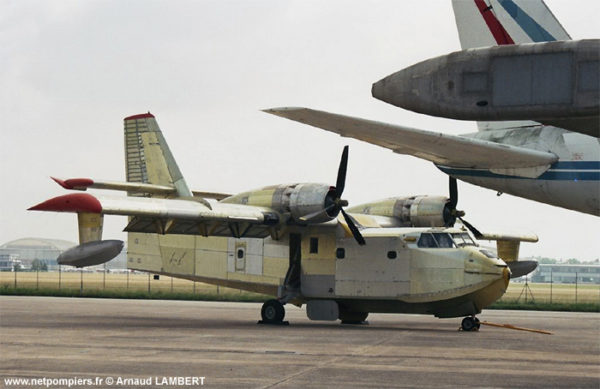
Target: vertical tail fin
[(482, 23), (148, 158), (499, 22)]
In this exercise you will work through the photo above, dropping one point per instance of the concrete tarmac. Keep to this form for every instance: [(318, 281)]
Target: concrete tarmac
[(103, 340)]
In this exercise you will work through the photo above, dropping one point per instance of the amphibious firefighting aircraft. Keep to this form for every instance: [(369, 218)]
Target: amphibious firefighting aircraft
[(294, 242)]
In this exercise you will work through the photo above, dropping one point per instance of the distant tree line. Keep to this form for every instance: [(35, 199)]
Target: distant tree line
[(570, 261)]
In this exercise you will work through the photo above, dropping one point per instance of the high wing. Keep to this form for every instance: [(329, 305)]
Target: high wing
[(439, 148), (171, 216)]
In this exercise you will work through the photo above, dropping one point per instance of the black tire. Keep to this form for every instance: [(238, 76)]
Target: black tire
[(469, 324), (272, 312), (351, 317)]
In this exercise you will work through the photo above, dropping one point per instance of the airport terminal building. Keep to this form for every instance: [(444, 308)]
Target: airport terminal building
[(567, 273), (27, 250)]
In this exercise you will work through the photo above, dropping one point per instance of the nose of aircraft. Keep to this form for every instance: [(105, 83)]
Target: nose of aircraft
[(378, 88), (395, 89), (385, 89)]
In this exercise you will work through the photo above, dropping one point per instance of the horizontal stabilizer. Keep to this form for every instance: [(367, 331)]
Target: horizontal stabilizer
[(131, 187), (439, 148), (91, 253)]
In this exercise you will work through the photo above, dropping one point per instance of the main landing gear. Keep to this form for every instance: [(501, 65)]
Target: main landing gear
[(272, 312), (470, 323)]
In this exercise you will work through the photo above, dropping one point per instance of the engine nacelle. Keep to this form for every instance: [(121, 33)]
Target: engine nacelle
[(415, 211), (311, 198), (296, 200)]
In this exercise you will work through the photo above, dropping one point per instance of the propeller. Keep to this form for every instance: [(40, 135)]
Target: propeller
[(334, 203), (451, 213)]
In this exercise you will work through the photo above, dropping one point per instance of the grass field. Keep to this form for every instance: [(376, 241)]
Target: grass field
[(555, 296)]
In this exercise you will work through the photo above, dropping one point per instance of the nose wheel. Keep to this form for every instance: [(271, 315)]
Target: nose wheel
[(470, 323)]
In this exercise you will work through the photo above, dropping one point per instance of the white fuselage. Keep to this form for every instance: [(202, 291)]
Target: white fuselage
[(572, 182)]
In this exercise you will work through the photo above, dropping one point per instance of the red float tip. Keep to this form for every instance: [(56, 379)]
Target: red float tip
[(140, 116), (75, 202), (74, 183)]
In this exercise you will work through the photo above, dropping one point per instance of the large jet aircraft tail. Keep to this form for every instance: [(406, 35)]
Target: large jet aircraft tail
[(483, 23), (148, 158)]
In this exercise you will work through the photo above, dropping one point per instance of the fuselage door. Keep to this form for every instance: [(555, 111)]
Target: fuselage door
[(240, 256)]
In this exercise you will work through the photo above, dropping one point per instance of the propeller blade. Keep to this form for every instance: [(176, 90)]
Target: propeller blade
[(355, 232), (453, 189), (341, 177), (318, 214), (471, 228)]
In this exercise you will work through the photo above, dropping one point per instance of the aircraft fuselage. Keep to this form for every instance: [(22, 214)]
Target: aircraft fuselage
[(394, 272), (572, 182)]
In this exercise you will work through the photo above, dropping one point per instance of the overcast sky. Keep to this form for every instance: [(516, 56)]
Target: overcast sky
[(72, 70)]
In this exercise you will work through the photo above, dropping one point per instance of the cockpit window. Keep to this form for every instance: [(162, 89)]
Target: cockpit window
[(439, 239), (427, 241), (463, 239), (444, 240)]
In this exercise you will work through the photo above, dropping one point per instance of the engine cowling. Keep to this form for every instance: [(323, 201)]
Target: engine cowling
[(415, 211), (296, 200)]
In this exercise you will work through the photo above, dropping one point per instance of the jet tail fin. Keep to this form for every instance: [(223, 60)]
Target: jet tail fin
[(483, 23)]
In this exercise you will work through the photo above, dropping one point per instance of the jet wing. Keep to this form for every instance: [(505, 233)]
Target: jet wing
[(172, 216), (441, 149)]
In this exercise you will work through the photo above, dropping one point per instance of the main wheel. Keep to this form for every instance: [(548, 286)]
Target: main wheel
[(272, 312), (470, 324), (350, 317)]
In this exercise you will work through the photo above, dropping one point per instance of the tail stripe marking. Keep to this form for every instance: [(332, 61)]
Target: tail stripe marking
[(536, 32), (500, 34)]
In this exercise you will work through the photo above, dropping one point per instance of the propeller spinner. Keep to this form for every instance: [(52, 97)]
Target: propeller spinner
[(334, 203)]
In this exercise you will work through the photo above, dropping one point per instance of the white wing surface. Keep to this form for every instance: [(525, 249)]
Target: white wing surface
[(439, 148)]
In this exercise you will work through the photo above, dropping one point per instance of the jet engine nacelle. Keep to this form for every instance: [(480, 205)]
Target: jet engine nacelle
[(415, 211)]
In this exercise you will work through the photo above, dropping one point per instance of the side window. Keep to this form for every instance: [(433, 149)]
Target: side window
[(444, 240), (426, 241), (314, 245), (340, 253), (468, 240)]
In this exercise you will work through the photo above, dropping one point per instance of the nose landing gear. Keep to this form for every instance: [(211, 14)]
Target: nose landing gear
[(470, 323)]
